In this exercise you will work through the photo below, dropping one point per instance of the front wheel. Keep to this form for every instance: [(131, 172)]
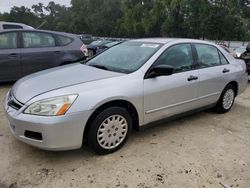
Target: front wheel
[(226, 100), (109, 130)]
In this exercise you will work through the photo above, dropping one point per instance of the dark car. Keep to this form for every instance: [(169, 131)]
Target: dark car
[(86, 38), (246, 57), (97, 45), (23, 52), (107, 46)]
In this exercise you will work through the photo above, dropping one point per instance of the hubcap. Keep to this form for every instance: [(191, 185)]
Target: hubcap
[(112, 131), (228, 99)]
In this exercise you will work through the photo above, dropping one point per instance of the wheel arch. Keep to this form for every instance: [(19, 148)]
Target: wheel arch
[(114, 103), (235, 85)]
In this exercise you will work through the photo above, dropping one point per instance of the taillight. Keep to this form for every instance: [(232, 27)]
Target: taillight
[(84, 50)]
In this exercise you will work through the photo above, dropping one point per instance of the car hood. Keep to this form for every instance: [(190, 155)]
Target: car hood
[(56, 78)]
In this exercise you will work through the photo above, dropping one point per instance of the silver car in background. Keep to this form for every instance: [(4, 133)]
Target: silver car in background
[(130, 85)]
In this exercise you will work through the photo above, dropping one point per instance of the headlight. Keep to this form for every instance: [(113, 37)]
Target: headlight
[(51, 107)]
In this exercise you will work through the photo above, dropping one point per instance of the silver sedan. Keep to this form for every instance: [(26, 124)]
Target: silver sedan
[(132, 84)]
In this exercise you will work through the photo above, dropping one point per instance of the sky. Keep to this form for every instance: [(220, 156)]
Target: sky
[(5, 5)]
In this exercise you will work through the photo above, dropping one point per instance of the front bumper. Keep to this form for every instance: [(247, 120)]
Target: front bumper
[(57, 133)]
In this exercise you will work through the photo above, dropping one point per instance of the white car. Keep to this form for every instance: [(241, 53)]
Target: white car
[(13, 25)]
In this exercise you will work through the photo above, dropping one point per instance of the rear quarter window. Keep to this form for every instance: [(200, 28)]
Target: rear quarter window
[(63, 40), (223, 60)]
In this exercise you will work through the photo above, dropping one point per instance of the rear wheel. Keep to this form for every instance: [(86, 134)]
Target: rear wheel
[(91, 53), (109, 130), (226, 100)]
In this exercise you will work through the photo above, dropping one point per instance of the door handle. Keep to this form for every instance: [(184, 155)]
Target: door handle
[(191, 78), (57, 52), (13, 55), (225, 70)]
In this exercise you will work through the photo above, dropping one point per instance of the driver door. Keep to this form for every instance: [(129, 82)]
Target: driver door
[(165, 96)]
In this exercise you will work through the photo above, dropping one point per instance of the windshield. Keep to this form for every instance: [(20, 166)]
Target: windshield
[(126, 57)]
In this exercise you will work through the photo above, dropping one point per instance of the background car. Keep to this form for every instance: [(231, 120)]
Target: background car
[(240, 50), (23, 52), (229, 50), (107, 46), (86, 38), (246, 57), (94, 46), (13, 25)]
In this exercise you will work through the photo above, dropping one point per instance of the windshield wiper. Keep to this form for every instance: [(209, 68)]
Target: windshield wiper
[(100, 67)]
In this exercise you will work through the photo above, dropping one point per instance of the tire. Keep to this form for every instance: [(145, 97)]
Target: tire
[(91, 53), (109, 130), (226, 100)]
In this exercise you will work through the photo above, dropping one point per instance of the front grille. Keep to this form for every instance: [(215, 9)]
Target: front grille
[(12, 102), (14, 105)]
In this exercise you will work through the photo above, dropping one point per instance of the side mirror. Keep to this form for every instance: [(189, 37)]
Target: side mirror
[(160, 70)]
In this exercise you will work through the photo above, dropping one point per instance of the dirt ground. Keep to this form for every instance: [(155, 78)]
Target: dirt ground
[(202, 150)]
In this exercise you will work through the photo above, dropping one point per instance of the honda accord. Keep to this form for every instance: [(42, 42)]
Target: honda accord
[(130, 85)]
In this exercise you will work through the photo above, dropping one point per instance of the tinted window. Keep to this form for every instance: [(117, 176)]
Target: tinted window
[(63, 41), (178, 56), (37, 40), (207, 55), (8, 40), (9, 26), (126, 57), (223, 59)]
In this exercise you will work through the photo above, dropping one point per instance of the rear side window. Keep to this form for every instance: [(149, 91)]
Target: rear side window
[(38, 40), (8, 40), (208, 56), (63, 40), (10, 26)]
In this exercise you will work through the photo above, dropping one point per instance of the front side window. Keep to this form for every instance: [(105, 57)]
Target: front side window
[(38, 40), (179, 56), (8, 40), (208, 56), (126, 57)]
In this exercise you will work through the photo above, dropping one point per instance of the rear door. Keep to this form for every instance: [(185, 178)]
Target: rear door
[(38, 51), (10, 67), (214, 71)]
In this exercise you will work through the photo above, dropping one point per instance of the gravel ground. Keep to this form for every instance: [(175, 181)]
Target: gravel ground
[(202, 150)]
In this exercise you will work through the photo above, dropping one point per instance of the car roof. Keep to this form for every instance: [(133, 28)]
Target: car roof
[(167, 40)]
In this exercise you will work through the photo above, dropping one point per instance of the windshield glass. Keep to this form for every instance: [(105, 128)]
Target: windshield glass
[(126, 57)]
